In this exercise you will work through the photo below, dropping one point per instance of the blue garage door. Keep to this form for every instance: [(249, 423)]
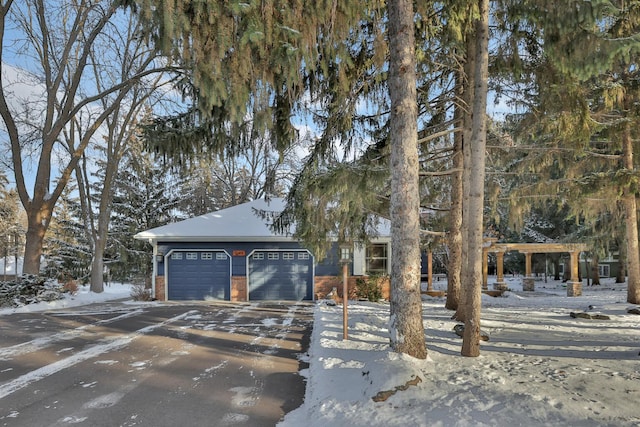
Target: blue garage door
[(281, 275), (199, 275)]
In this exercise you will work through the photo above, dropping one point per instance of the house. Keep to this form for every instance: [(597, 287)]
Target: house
[(233, 254)]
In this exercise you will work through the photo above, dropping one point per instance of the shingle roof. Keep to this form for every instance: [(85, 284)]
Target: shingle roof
[(238, 223)]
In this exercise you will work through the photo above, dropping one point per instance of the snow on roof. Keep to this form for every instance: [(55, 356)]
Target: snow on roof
[(240, 222)]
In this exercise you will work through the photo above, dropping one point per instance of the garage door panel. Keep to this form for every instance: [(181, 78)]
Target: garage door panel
[(280, 276), (206, 276)]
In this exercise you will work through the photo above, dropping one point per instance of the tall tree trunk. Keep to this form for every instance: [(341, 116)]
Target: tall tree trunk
[(405, 325), (471, 336), (631, 222), (467, 131), (455, 215)]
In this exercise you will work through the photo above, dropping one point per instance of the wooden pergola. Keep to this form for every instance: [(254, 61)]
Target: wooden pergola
[(574, 287)]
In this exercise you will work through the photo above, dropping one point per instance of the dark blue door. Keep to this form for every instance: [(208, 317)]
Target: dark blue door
[(199, 275), (281, 275)]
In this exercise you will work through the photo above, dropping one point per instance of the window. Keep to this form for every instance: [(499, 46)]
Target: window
[(192, 255), (258, 255), (603, 270), (288, 255), (206, 255), (221, 255), (176, 255), (377, 259), (303, 255), (273, 255)]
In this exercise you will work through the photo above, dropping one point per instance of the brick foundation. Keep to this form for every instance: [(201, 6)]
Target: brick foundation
[(160, 292), (238, 288)]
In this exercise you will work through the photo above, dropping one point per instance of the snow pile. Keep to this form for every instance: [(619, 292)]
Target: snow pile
[(540, 366), (113, 291)]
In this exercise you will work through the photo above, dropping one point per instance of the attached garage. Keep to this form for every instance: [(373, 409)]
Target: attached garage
[(280, 275), (198, 275), (235, 254)]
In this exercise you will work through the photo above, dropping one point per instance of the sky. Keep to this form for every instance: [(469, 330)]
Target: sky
[(540, 367)]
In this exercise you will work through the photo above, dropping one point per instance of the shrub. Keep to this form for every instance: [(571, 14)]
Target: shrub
[(140, 293), (29, 289), (369, 288)]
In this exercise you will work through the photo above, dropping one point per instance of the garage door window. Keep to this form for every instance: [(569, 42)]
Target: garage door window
[(273, 255), (287, 255), (258, 255), (303, 255), (206, 255), (176, 255), (221, 255), (192, 255)]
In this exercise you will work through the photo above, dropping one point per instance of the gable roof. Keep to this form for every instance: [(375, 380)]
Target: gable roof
[(237, 223)]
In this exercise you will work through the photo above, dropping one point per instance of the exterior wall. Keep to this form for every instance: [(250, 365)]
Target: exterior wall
[(159, 289), (238, 288)]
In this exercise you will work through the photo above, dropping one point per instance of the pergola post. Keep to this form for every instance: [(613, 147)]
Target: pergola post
[(528, 283), (574, 286), (429, 270), (500, 285)]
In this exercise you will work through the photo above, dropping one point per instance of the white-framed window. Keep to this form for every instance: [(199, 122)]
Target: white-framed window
[(303, 255), (206, 255), (258, 255), (192, 255), (604, 270), (273, 255), (288, 256), (176, 255), (377, 258), (221, 255)]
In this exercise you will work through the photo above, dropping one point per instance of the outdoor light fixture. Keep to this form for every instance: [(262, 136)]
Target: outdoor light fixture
[(159, 258), (345, 253)]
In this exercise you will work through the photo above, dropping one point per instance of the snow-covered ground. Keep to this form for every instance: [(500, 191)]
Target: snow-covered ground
[(540, 366)]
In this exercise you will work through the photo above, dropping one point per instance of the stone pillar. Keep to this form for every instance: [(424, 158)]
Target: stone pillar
[(574, 289), (528, 284), (500, 285)]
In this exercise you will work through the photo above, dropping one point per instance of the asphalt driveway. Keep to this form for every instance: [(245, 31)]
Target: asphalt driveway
[(170, 364)]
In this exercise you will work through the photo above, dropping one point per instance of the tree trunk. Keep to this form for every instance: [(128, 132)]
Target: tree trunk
[(471, 336), (631, 222), (622, 262), (455, 215), (595, 270), (38, 220), (405, 326), (467, 131)]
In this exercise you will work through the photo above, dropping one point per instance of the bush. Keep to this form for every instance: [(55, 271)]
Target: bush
[(29, 289), (140, 293), (369, 288)]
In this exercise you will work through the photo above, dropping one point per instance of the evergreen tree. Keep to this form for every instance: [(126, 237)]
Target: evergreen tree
[(145, 197)]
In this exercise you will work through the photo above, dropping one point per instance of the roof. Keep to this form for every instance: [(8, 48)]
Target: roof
[(238, 223)]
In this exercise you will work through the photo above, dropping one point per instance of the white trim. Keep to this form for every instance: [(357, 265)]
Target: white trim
[(166, 267)]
